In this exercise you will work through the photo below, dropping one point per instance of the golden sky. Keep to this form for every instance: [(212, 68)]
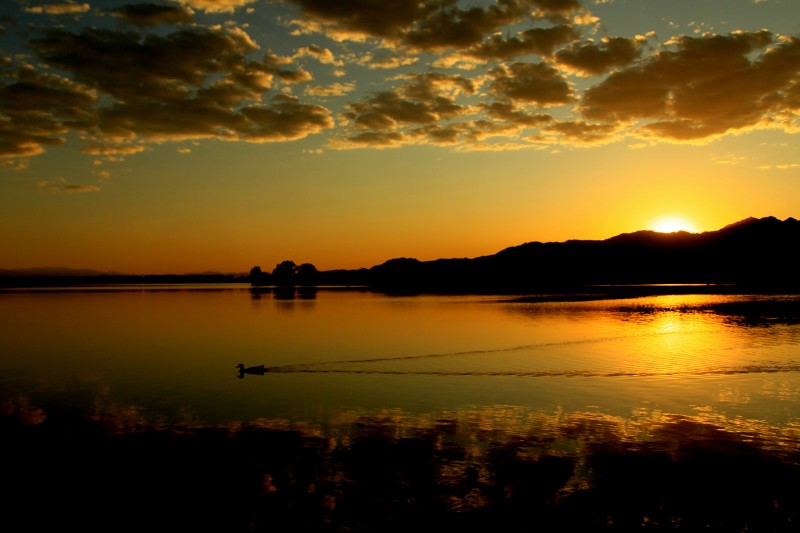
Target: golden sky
[(196, 135)]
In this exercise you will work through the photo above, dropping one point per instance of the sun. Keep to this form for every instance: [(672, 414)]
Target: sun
[(671, 224)]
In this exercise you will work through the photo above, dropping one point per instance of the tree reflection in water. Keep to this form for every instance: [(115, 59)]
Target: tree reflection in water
[(385, 473)]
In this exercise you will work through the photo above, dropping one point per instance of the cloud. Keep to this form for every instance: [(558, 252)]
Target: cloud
[(422, 24), (375, 139), (435, 134), (284, 119), (426, 110), (425, 99), (730, 159), (780, 166), (593, 59), (453, 27), (541, 41), (152, 14), (335, 89), (161, 66), (271, 66), (579, 132), (385, 110), (80, 188), (281, 119), (409, 112), (536, 83), (36, 110), (557, 6), (359, 18), (217, 6), (477, 131), (59, 9), (494, 147), (382, 60), (534, 41), (131, 87), (119, 89), (701, 87), (323, 55), (62, 185), (507, 112), (111, 150)]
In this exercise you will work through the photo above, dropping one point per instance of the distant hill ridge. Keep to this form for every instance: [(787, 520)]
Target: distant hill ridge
[(59, 276), (757, 252), (55, 271), (753, 251)]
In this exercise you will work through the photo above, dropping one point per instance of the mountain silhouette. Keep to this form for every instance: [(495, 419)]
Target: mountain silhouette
[(752, 252), (758, 253)]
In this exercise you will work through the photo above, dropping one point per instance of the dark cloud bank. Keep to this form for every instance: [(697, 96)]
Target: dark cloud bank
[(507, 74)]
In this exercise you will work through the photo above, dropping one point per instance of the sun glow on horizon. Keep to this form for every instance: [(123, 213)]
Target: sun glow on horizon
[(672, 224)]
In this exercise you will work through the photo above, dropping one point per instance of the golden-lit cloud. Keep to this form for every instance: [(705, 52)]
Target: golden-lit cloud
[(454, 27), (335, 89), (579, 132), (284, 118), (779, 166), (323, 55), (700, 87), (424, 100), (68, 8), (539, 41), (162, 66), (37, 109), (191, 83), (112, 149), (592, 59), (435, 134), (385, 110), (216, 6), (422, 25), (382, 60), (537, 83), (507, 112), (465, 73), (425, 111), (376, 139)]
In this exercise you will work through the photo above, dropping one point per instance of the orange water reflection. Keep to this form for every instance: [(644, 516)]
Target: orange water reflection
[(422, 409)]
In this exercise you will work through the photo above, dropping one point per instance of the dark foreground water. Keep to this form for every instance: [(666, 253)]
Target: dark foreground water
[(121, 410)]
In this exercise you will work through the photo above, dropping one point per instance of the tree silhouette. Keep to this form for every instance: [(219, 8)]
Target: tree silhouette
[(285, 273), (307, 274)]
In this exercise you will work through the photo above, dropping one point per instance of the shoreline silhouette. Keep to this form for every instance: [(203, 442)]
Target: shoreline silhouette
[(749, 255), (753, 254)]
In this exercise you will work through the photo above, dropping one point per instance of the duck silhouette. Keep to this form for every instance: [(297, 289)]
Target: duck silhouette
[(252, 370)]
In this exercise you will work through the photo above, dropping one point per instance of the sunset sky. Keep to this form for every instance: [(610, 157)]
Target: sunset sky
[(202, 135)]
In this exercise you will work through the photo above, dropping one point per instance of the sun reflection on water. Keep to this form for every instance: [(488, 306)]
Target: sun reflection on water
[(402, 405)]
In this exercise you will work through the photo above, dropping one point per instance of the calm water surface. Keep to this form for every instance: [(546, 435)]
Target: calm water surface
[(553, 377), (172, 353)]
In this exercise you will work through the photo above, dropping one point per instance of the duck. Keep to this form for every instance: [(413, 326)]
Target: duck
[(252, 370)]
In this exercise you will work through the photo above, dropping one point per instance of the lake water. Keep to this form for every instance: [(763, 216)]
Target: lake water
[(391, 411)]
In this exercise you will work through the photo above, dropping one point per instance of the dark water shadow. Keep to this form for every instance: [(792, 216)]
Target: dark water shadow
[(379, 473), (762, 312), (750, 311)]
